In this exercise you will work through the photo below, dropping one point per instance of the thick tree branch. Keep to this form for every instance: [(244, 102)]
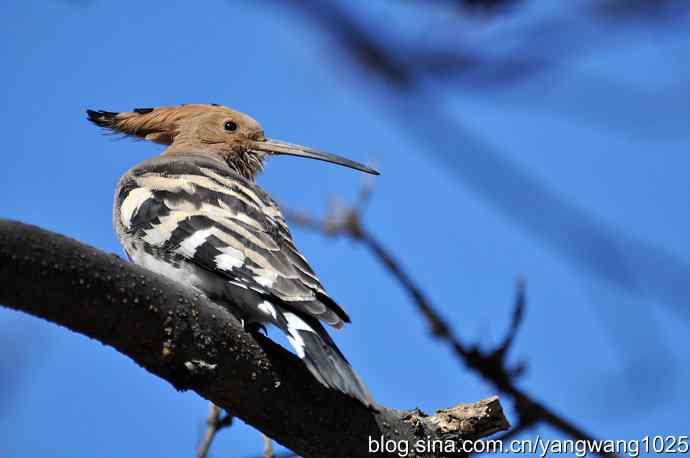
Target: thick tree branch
[(184, 338)]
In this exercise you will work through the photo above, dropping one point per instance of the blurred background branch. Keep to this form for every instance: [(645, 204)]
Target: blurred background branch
[(597, 249)]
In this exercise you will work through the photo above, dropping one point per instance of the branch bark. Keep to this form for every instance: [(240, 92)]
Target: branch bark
[(179, 335)]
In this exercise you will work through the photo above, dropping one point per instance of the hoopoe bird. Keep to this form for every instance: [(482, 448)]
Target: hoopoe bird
[(195, 214)]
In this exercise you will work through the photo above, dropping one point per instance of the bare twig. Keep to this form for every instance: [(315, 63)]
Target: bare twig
[(491, 365), (214, 424)]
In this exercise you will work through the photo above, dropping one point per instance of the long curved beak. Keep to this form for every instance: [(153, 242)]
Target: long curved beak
[(288, 149)]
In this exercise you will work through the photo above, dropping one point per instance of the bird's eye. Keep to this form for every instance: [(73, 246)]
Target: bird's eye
[(230, 126)]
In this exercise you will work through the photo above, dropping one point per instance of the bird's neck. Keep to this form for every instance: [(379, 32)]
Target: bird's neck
[(245, 163)]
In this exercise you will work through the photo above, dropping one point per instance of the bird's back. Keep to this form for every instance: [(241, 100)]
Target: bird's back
[(195, 210)]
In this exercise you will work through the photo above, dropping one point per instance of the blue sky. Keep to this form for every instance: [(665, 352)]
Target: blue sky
[(607, 133)]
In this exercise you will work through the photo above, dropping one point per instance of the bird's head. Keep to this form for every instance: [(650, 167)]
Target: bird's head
[(210, 130)]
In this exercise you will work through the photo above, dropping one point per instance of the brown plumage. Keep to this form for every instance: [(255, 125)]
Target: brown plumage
[(209, 130)]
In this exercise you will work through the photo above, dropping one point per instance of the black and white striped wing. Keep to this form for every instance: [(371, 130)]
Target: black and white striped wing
[(204, 213)]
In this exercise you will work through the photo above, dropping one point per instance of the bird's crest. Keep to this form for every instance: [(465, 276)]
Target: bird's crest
[(160, 125)]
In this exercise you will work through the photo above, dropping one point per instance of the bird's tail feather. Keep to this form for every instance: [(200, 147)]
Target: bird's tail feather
[(320, 354)]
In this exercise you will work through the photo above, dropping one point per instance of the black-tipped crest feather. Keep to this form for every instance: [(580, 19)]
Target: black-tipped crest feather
[(101, 118)]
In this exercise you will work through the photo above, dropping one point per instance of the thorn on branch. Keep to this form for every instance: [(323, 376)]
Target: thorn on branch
[(518, 317)]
